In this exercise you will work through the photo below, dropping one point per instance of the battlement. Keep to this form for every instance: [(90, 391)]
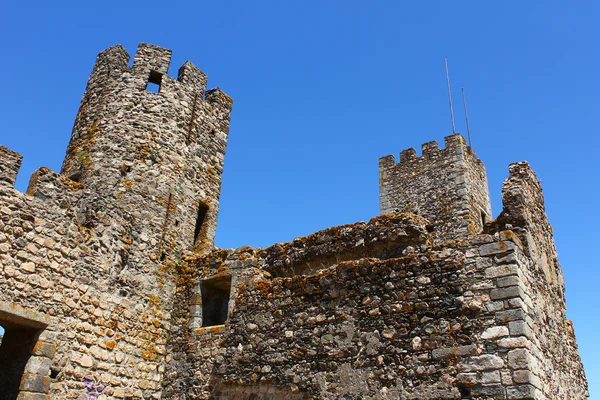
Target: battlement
[(150, 66), (10, 163), (145, 140), (455, 145)]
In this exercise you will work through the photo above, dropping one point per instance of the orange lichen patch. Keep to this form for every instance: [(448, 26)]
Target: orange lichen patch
[(210, 329), (154, 300), (264, 286), (509, 234), (110, 344)]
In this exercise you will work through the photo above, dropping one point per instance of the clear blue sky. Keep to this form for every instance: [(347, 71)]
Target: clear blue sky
[(322, 89)]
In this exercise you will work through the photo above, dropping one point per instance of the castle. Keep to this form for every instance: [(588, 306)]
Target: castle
[(111, 286)]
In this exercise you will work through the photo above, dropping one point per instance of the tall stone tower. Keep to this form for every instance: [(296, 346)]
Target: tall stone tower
[(447, 186), (149, 151)]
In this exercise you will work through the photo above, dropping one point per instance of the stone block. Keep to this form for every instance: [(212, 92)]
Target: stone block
[(510, 315), (496, 248), (495, 391), (508, 281), (506, 293), (520, 328), (483, 362), (494, 332), (514, 342), (35, 383), (502, 270), (38, 365), (521, 392), (469, 350), (519, 359), (33, 396), (44, 349)]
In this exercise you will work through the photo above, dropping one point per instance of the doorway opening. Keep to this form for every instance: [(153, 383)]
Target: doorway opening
[(16, 347)]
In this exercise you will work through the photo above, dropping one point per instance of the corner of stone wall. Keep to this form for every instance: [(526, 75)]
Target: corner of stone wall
[(524, 212), (504, 365)]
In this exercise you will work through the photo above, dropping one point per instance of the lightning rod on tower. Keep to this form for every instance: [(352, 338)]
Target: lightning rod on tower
[(450, 96)]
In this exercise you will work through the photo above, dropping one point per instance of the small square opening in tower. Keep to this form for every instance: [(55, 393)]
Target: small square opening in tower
[(154, 82), (215, 300)]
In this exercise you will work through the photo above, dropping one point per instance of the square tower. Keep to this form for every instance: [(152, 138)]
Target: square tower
[(447, 186)]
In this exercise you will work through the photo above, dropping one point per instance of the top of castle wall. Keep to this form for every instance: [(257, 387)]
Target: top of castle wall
[(455, 145), (10, 163), (155, 60)]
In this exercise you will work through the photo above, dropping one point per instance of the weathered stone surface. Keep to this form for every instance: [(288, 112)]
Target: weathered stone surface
[(448, 186), (494, 332), (112, 287), (469, 350), (482, 363)]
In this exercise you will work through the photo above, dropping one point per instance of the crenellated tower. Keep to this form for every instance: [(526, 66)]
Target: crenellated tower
[(148, 150), (447, 186)]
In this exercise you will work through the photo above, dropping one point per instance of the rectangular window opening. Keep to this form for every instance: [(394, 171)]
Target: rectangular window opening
[(154, 81), (215, 300), (202, 211)]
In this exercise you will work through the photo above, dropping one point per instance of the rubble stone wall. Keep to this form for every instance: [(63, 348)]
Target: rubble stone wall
[(109, 271), (97, 248), (407, 320), (101, 326), (555, 366)]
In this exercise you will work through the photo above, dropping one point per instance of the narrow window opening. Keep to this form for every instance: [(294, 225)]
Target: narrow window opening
[(154, 82), (176, 222), (202, 211), (215, 300), (483, 218), (465, 393)]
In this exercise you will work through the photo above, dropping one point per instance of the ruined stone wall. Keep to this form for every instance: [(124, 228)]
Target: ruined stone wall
[(100, 325), (554, 365), (109, 273), (401, 320), (447, 186)]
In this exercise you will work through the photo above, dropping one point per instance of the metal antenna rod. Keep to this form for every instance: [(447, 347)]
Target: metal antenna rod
[(466, 115), (450, 96)]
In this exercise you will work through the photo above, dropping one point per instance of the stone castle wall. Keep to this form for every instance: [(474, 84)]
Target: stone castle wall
[(90, 256), (98, 323), (111, 285), (421, 322)]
